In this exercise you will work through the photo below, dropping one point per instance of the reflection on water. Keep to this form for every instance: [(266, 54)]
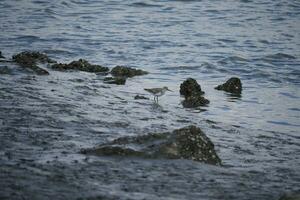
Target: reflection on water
[(232, 97)]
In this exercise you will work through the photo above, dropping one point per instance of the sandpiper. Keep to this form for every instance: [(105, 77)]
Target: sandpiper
[(157, 92)]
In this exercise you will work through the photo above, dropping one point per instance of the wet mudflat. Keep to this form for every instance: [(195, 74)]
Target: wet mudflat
[(46, 120)]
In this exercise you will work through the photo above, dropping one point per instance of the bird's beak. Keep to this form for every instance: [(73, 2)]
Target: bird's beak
[(170, 90)]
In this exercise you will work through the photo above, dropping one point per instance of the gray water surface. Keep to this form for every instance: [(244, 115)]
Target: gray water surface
[(46, 120)]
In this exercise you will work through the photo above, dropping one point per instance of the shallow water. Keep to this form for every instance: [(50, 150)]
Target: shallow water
[(46, 120)]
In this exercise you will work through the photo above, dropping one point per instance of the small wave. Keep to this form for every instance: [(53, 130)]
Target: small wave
[(212, 11), (180, 68), (233, 59), (289, 95), (28, 38), (39, 2), (49, 11), (294, 109), (187, 0), (142, 4), (227, 40), (282, 123), (58, 52), (264, 41), (279, 56), (208, 65)]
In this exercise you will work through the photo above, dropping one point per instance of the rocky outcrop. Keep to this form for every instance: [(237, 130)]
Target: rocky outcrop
[(81, 65), (115, 80), (185, 143), (190, 87), (29, 59), (233, 85), (192, 93), (122, 71)]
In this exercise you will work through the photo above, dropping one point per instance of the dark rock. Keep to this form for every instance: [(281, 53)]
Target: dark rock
[(192, 93), (233, 85), (115, 80), (127, 71), (194, 101), (190, 87), (81, 65), (140, 97), (29, 60), (33, 55), (187, 143)]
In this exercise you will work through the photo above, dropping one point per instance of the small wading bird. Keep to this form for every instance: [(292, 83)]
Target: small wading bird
[(157, 92)]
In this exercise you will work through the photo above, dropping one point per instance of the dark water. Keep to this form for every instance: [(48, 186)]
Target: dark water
[(46, 120)]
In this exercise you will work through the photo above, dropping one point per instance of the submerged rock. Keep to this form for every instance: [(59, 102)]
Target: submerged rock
[(185, 143), (192, 93), (115, 80), (140, 97), (29, 59), (194, 101), (81, 65), (190, 87), (233, 85), (127, 71)]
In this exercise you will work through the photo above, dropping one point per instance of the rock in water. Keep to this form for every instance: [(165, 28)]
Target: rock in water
[(81, 65), (190, 87), (194, 101), (35, 55), (192, 93), (29, 59), (122, 71), (115, 80), (185, 143), (233, 85)]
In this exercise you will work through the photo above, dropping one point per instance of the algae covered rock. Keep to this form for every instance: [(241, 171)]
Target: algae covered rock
[(115, 80), (185, 143), (81, 65), (233, 85), (29, 59), (192, 93), (33, 55), (190, 87), (123, 71)]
